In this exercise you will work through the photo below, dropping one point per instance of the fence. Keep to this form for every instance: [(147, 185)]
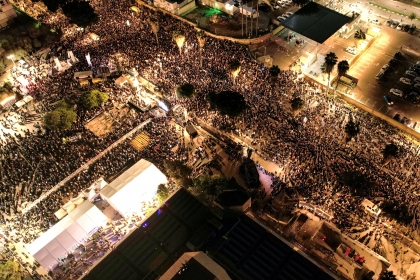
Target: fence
[(84, 167)]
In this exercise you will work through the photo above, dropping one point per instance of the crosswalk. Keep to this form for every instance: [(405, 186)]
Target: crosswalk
[(140, 141)]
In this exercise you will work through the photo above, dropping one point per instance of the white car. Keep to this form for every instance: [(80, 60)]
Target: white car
[(351, 50), (354, 6), (276, 7), (289, 14), (406, 81), (281, 18), (399, 27), (385, 67), (374, 20), (396, 92)]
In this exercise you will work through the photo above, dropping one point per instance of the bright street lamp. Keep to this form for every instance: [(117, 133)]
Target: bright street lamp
[(11, 57)]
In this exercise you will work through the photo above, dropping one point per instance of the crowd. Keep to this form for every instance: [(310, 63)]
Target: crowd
[(312, 153)]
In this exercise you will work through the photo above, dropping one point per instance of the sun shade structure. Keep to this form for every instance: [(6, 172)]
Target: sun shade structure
[(316, 22), (137, 184), (67, 234)]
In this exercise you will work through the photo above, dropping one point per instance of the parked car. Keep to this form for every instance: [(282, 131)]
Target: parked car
[(351, 50), (411, 74), (276, 7), (374, 20), (385, 68), (389, 22), (405, 27), (406, 81), (395, 24), (417, 86), (285, 15), (397, 117), (279, 18), (400, 25), (380, 75), (398, 55), (388, 100), (289, 13), (396, 92), (417, 80)]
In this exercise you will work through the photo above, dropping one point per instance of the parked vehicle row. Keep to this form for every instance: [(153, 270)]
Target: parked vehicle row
[(284, 16), (400, 26)]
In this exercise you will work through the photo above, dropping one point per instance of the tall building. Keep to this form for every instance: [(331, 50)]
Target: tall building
[(7, 13)]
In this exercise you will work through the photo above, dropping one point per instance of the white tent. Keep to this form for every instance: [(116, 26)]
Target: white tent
[(67, 234), (137, 184)]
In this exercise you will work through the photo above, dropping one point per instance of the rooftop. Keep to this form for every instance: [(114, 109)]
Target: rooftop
[(231, 198), (316, 22)]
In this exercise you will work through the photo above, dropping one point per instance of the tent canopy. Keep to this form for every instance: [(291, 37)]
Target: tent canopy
[(64, 236), (316, 22), (138, 183)]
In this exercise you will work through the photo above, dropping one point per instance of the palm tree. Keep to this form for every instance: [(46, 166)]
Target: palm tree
[(179, 39), (201, 37), (352, 128), (154, 24), (390, 151), (235, 68), (274, 72), (297, 105), (342, 68), (388, 275), (359, 34), (330, 62)]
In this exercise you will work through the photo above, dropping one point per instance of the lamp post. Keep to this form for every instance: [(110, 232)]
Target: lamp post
[(11, 57)]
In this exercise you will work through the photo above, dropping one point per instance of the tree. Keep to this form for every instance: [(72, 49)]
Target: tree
[(330, 62), (154, 24), (162, 192), (179, 172), (61, 118), (80, 13), (357, 181), (228, 103), (179, 39), (185, 90), (274, 72), (209, 185), (234, 68), (390, 152), (412, 16), (297, 104), (359, 34), (93, 98), (342, 68), (388, 275), (201, 37), (352, 128)]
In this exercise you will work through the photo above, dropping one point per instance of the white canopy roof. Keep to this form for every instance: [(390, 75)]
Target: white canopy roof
[(64, 236), (138, 183)]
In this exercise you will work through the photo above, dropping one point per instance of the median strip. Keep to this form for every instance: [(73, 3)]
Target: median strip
[(390, 10)]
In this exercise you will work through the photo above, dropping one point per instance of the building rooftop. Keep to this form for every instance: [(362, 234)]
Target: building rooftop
[(231, 198), (316, 22)]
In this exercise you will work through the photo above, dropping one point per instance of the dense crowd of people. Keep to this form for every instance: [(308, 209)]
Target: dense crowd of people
[(312, 152)]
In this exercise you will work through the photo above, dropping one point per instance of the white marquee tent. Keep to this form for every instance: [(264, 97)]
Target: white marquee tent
[(67, 234), (137, 184)]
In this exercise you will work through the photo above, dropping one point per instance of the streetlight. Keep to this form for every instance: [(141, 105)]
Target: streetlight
[(11, 57)]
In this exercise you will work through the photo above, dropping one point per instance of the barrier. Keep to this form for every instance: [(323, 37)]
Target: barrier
[(84, 167)]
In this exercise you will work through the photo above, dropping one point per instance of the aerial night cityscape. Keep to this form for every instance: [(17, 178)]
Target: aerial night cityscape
[(210, 139)]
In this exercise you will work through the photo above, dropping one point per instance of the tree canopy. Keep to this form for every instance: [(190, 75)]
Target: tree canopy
[(185, 90), (230, 103), (162, 192), (80, 13), (179, 172), (357, 181), (297, 103), (352, 128), (359, 34), (93, 98), (61, 118), (209, 185), (330, 62)]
